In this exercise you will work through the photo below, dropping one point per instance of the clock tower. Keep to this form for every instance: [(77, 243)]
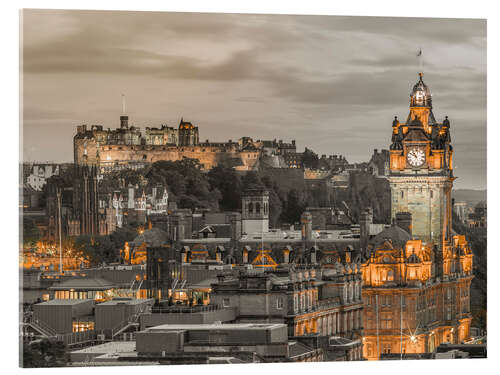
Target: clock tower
[(421, 169)]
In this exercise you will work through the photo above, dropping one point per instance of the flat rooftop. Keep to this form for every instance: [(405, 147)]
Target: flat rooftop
[(219, 327), (64, 302), (109, 347), (125, 301)]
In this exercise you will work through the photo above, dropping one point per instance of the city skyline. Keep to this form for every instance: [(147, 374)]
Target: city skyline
[(264, 76)]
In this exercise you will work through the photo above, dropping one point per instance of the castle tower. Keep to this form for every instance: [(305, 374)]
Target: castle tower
[(188, 134), (255, 211), (421, 173)]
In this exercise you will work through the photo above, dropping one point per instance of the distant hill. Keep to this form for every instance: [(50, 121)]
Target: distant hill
[(468, 195)]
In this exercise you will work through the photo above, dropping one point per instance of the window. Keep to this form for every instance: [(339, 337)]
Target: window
[(386, 348), (250, 207), (279, 303), (257, 208), (225, 302), (390, 275), (402, 194)]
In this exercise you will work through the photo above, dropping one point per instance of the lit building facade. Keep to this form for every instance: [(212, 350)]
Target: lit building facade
[(418, 272)]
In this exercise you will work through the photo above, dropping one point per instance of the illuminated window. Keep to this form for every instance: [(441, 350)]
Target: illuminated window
[(390, 275), (82, 326)]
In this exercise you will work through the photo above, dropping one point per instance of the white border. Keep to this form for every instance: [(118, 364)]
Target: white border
[(10, 150)]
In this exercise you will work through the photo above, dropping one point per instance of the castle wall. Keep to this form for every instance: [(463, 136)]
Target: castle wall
[(209, 157)]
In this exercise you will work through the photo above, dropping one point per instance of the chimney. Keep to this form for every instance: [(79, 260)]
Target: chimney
[(404, 221)]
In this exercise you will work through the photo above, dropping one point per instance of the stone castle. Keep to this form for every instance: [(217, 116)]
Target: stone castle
[(128, 147)]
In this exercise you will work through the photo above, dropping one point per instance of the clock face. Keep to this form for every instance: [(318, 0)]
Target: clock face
[(416, 157)]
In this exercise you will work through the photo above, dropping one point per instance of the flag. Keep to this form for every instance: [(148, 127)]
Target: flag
[(419, 52)]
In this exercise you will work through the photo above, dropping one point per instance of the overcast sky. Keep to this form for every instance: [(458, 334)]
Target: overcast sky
[(333, 84)]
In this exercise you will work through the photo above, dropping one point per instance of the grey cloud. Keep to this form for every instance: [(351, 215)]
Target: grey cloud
[(258, 75)]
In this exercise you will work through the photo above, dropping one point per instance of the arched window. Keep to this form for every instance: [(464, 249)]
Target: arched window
[(250, 207), (257, 208)]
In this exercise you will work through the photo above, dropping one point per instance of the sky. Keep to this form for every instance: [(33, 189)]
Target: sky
[(332, 83)]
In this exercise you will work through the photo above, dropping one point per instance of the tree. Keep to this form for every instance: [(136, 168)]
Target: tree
[(31, 233), (293, 207), (44, 353), (98, 249), (251, 180), (124, 234), (228, 183)]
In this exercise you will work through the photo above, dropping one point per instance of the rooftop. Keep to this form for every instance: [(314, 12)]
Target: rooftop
[(109, 347), (84, 283), (126, 301), (215, 326), (65, 302)]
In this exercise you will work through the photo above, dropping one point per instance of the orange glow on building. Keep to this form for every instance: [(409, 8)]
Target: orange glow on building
[(418, 272)]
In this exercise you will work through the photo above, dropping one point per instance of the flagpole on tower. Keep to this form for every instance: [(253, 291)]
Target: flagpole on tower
[(420, 61)]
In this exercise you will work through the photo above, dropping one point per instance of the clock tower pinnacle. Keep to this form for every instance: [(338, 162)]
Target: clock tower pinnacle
[(421, 168)]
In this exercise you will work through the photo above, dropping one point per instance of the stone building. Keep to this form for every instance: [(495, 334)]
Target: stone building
[(255, 211), (478, 218), (379, 163), (418, 272), (128, 147), (461, 210), (309, 300)]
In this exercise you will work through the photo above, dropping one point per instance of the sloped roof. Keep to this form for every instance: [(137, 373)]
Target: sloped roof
[(416, 133), (84, 283), (396, 234), (297, 349)]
